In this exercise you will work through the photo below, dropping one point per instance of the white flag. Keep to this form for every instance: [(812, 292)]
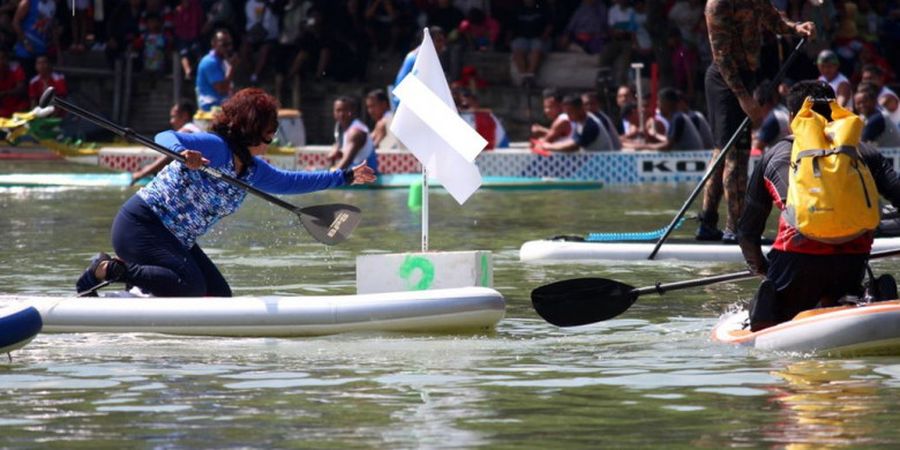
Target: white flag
[(430, 127)]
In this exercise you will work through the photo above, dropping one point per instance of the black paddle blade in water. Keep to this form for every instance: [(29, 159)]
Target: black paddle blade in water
[(581, 301), (330, 224)]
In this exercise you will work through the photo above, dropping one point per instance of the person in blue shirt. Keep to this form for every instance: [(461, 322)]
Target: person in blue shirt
[(34, 25), (155, 232), (215, 71), (440, 43)]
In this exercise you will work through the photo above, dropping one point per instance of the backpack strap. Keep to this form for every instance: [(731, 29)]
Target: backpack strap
[(848, 150)]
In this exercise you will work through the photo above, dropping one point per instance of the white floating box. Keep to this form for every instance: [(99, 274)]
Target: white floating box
[(396, 272)]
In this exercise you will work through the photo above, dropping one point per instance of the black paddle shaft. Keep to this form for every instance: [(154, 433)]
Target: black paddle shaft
[(131, 135), (93, 289), (328, 224), (582, 301), (718, 161), (661, 289)]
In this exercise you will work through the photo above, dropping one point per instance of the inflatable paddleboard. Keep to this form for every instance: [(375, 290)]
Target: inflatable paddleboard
[(581, 251), (872, 329), (439, 310), (19, 324)]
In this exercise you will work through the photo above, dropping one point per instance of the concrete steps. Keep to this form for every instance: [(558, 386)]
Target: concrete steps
[(152, 94), (151, 100)]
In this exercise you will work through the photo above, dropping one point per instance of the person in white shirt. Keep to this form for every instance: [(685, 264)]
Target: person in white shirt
[(776, 125), (588, 134), (592, 104), (617, 49), (181, 118), (352, 140), (828, 65), (887, 98)]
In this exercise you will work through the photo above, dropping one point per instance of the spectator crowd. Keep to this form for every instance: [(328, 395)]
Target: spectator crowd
[(278, 41)]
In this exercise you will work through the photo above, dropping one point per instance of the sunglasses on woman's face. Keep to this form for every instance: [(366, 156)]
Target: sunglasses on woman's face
[(271, 136)]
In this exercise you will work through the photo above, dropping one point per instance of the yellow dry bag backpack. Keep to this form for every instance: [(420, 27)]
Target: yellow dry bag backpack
[(831, 194)]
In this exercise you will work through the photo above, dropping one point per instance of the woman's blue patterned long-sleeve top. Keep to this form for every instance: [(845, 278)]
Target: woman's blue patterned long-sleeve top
[(190, 202)]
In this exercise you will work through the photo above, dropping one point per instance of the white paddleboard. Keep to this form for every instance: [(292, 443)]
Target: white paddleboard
[(439, 310), (578, 251)]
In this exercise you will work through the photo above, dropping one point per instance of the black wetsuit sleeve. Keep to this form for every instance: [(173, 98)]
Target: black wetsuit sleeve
[(771, 171), (873, 129), (883, 172)]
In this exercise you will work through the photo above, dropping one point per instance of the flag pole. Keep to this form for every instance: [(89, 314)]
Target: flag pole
[(424, 209)]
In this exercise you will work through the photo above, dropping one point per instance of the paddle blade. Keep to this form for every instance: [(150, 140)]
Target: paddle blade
[(330, 224), (581, 301)]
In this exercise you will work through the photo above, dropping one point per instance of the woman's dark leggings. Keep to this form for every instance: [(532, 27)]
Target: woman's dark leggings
[(157, 262)]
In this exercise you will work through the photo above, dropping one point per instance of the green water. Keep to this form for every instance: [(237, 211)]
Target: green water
[(649, 378)]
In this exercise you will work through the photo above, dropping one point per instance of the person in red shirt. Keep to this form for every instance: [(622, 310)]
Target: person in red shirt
[(799, 272), (12, 86), (44, 79)]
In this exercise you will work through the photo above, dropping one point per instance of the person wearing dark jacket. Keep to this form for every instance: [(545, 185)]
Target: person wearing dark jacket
[(801, 273)]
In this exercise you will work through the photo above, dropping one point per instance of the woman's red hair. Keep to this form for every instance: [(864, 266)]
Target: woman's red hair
[(245, 120)]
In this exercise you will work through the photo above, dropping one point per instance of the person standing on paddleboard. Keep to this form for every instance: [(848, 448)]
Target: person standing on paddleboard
[(735, 36), (800, 272), (155, 233)]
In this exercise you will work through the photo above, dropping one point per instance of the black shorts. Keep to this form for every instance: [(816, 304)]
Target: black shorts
[(725, 113), (802, 280)]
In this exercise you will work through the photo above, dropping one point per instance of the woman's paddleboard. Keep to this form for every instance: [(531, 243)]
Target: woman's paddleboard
[(873, 328), (439, 310)]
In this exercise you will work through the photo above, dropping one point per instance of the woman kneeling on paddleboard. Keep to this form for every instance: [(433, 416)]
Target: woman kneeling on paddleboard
[(155, 232)]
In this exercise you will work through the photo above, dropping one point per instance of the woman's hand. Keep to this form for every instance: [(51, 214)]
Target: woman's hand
[(363, 174), (193, 159)]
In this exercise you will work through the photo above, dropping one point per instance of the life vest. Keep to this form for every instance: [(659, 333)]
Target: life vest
[(831, 194)]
